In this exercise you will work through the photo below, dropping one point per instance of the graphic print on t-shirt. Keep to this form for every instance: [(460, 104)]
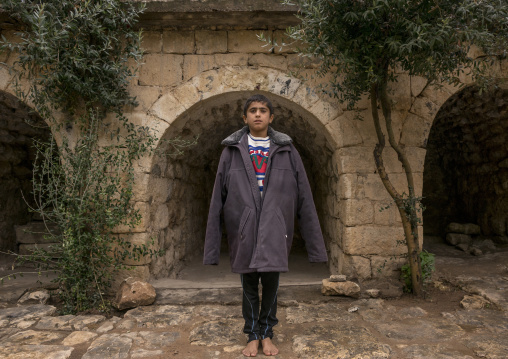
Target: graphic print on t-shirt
[(258, 151)]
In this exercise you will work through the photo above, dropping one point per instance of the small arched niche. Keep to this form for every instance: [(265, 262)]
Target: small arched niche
[(19, 126)]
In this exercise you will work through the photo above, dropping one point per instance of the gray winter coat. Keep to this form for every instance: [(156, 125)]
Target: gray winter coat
[(260, 229)]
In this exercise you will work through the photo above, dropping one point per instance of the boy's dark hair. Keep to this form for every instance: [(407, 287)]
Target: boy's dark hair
[(257, 98)]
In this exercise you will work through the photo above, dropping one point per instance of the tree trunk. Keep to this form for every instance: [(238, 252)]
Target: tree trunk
[(406, 207)]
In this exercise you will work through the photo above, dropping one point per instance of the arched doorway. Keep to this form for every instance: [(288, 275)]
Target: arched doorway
[(466, 168), (181, 185)]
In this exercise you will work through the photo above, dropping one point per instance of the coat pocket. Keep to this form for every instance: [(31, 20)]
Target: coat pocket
[(287, 242), (243, 221), (282, 222)]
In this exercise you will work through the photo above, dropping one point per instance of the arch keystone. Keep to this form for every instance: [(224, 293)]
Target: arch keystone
[(283, 85)]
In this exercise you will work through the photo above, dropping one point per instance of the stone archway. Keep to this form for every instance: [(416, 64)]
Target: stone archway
[(18, 127), (466, 167), (181, 185)]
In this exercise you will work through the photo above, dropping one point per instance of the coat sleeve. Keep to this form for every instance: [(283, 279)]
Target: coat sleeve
[(213, 228), (307, 215)]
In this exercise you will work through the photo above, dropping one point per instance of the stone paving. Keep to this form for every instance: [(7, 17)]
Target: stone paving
[(207, 323), (341, 328)]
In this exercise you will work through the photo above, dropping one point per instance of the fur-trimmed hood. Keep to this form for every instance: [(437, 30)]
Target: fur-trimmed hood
[(278, 138)]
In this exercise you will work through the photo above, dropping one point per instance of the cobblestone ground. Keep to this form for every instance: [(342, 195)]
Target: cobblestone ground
[(311, 326), (377, 329)]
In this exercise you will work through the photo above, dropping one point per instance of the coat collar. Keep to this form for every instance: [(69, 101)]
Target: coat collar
[(276, 137)]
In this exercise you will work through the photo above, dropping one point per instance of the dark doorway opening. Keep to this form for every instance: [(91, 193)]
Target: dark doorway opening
[(466, 170)]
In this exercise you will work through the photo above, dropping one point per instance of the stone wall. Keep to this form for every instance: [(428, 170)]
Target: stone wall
[(194, 81), (223, 54), (466, 170), (199, 68)]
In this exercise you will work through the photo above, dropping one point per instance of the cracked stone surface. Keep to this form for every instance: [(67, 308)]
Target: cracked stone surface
[(160, 316), (69, 322), (113, 346), (306, 313), (426, 351), (33, 337), (4, 333), (216, 312), (431, 330), (55, 323), (220, 332), (491, 289), (142, 353), (342, 342), (83, 321), (390, 313), (492, 320), (108, 325), (36, 352), (76, 338), (489, 346), (10, 316), (155, 340)]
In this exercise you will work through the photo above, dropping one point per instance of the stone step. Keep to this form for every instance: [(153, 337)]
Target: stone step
[(27, 249), (33, 232), (287, 296)]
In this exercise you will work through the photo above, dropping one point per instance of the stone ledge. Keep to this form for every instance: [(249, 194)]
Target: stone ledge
[(201, 13), (191, 20), (184, 13), (215, 5)]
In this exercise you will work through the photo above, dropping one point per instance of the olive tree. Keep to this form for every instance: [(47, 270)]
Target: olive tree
[(73, 57), (360, 44)]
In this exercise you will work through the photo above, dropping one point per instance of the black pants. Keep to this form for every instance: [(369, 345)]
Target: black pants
[(259, 324)]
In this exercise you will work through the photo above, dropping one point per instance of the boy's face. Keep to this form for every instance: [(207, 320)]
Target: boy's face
[(258, 118)]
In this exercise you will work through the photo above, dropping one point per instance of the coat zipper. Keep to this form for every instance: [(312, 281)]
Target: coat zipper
[(265, 186)]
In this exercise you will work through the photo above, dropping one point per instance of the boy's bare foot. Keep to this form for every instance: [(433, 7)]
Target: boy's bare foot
[(268, 348), (251, 350)]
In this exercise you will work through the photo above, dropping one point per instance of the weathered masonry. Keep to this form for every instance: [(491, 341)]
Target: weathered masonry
[(203, 59)]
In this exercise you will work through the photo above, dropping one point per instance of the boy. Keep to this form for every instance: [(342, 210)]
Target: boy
[(261, 186)]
